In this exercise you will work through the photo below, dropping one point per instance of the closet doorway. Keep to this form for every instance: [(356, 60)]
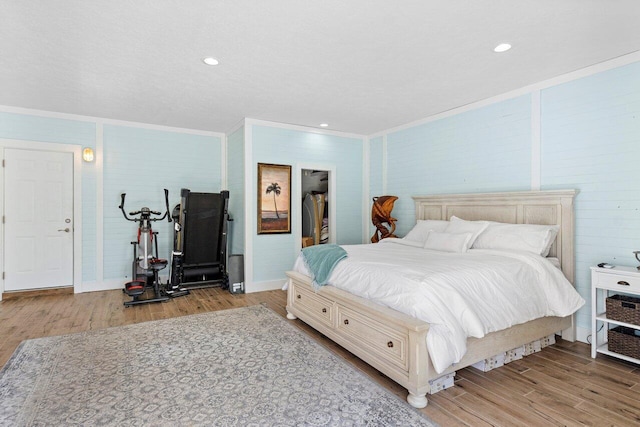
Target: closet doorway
[(317, 195)]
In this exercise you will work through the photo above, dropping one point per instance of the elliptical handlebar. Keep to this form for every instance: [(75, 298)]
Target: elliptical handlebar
[(122, 196), (146, 212), (166, 204)]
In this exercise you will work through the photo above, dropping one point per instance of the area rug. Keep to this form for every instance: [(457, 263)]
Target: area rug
[(238, 367)]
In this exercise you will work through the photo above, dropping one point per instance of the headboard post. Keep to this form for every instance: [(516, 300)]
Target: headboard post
[(553, 207)]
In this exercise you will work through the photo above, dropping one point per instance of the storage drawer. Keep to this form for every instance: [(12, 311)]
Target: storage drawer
[(619, 282), (382, 340), (313, 304)]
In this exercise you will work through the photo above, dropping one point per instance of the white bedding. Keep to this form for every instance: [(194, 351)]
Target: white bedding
[(459, 294)]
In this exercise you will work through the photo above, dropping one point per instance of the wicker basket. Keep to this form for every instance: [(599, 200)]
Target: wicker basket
[(623, 308), (624, 341)]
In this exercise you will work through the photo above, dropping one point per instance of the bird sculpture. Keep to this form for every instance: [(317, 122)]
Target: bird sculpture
[(380, 215)]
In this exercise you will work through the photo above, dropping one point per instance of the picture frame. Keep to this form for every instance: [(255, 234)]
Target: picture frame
[(274, 198)]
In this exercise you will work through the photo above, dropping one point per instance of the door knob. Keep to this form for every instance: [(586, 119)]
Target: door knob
[(66, 230)]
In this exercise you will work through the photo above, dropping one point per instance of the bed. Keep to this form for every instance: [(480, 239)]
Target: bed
[(396, 343)]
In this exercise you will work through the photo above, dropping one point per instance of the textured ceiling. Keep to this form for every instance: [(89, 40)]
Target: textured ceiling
[(360, 65)]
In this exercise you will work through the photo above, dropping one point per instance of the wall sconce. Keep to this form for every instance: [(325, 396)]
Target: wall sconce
[(87, 154)]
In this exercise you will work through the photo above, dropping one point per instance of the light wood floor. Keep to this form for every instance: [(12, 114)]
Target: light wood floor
[(561, 386)]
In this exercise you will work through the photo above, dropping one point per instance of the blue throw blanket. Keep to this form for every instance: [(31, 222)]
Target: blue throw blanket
[(320, 260)]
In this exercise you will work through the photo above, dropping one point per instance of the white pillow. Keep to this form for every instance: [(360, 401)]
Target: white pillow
[(518, 237), (457, 225), (448, 242), (422, 228)]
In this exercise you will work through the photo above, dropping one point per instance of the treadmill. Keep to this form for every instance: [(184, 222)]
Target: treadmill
[(199, 257)]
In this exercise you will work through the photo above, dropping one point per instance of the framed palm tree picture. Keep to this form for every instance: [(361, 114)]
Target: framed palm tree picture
[(274, 198)]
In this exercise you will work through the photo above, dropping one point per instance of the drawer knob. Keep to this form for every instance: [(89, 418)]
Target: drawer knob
[(623, 283), (299, 296), (346, 321), (390, 344), (324, 310)]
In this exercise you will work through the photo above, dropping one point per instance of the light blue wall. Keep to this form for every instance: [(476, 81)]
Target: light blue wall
[(591, 142), (273, 254), (46, 129), (486, 149), (142, 162), (235, 185), (62, 131)]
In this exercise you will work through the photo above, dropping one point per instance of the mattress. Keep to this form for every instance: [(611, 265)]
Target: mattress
[(460, 295)]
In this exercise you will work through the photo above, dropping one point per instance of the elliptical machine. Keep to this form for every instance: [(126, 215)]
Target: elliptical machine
[(146, 265)]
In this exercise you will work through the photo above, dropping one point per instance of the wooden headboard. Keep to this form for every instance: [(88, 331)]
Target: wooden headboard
[(553, 207)]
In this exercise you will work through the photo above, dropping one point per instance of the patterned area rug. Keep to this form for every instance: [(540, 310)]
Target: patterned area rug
[(240, 367)]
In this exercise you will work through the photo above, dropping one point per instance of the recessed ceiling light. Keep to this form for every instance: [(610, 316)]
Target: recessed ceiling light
[(210, 61), (502, 47), (324, 125)]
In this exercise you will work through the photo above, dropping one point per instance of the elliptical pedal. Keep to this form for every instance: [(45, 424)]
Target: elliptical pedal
[(135, 287)]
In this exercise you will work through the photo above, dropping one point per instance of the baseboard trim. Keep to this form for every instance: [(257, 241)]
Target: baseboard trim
[(269, 285), (104, 285)]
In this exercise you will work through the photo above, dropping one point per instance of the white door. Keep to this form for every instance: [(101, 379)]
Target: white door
[(38, 219)]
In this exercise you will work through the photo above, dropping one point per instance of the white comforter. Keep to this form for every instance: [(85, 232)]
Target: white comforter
[(460, 295)]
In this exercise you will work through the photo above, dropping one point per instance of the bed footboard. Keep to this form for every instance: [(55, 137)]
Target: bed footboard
[(390, 341), (395, 343)]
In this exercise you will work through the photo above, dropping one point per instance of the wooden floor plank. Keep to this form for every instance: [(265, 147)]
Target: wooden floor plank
[(502, 398), (513, 382), (443, 417), (589, 375), (485, 406), (608, 419), (607, 372), (562, 413), (561, 385), (527, 408), (629, 407), (466, 414)]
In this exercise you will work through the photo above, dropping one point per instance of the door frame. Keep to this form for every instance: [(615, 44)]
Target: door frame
[(76, 150), (296, 222)]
